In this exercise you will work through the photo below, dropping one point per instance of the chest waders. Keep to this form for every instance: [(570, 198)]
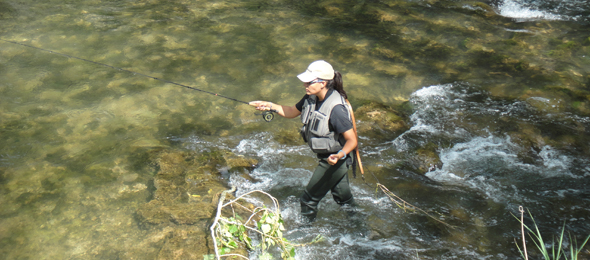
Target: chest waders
[(334, 178)]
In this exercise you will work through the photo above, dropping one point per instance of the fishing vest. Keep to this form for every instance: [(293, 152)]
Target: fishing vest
[(316, 130)]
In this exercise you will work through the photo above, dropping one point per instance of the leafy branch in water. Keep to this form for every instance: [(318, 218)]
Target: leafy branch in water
[(540, 243), (229, 233)]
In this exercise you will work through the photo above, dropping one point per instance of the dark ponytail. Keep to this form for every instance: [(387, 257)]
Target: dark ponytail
[(337, 84)]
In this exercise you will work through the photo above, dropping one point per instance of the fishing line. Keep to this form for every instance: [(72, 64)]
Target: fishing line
[(266, 115)]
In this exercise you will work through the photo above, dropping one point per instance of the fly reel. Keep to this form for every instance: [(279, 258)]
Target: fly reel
[(268, 116)]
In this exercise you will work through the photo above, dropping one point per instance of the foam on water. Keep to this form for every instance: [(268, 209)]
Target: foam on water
[(552, 10), (261, 148), (518, 9), (343, 247), (269, 175), (487, 164), (343, 238)]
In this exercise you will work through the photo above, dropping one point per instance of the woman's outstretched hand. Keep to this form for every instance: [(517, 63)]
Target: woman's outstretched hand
[(261, 105)]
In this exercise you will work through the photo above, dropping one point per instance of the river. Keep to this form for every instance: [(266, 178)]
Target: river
[(494, 95)]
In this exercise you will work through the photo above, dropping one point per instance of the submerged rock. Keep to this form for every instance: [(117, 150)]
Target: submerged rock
[(427, 158), (6, 11), (187, 187), (378, 120), (186, 243), (386, 123)]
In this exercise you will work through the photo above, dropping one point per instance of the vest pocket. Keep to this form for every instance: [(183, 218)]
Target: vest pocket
[(320, 144), (308, 108), (318, 124)]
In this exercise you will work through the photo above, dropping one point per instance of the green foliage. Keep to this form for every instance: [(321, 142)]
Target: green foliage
[(234, 231), (209, 257), (555, 253)]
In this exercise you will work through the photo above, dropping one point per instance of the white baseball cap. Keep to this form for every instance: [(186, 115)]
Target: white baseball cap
[(319, 69)]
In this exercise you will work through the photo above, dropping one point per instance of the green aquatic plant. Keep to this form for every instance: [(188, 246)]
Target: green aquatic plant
[(232, 232), (537, 238)]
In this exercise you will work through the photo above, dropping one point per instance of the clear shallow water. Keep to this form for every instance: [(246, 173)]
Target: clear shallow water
[(498, 93)]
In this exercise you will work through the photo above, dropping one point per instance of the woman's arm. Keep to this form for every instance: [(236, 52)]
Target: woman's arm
[(350, 144), (284, 111)]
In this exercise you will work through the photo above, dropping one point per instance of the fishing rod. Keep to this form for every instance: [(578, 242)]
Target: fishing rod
[(266, 115)]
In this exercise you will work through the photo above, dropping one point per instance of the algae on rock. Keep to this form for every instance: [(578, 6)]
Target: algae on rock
[(378, 120), (187, 187)]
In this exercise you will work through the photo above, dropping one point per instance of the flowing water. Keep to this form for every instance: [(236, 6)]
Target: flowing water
[(495, 92)]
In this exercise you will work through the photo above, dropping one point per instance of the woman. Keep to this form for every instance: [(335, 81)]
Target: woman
[(328, 129)]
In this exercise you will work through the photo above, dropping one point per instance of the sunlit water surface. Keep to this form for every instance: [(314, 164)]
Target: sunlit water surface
[(499, 88)]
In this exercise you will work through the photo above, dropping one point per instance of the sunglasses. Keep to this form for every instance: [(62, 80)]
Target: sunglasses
[(314, 81)]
